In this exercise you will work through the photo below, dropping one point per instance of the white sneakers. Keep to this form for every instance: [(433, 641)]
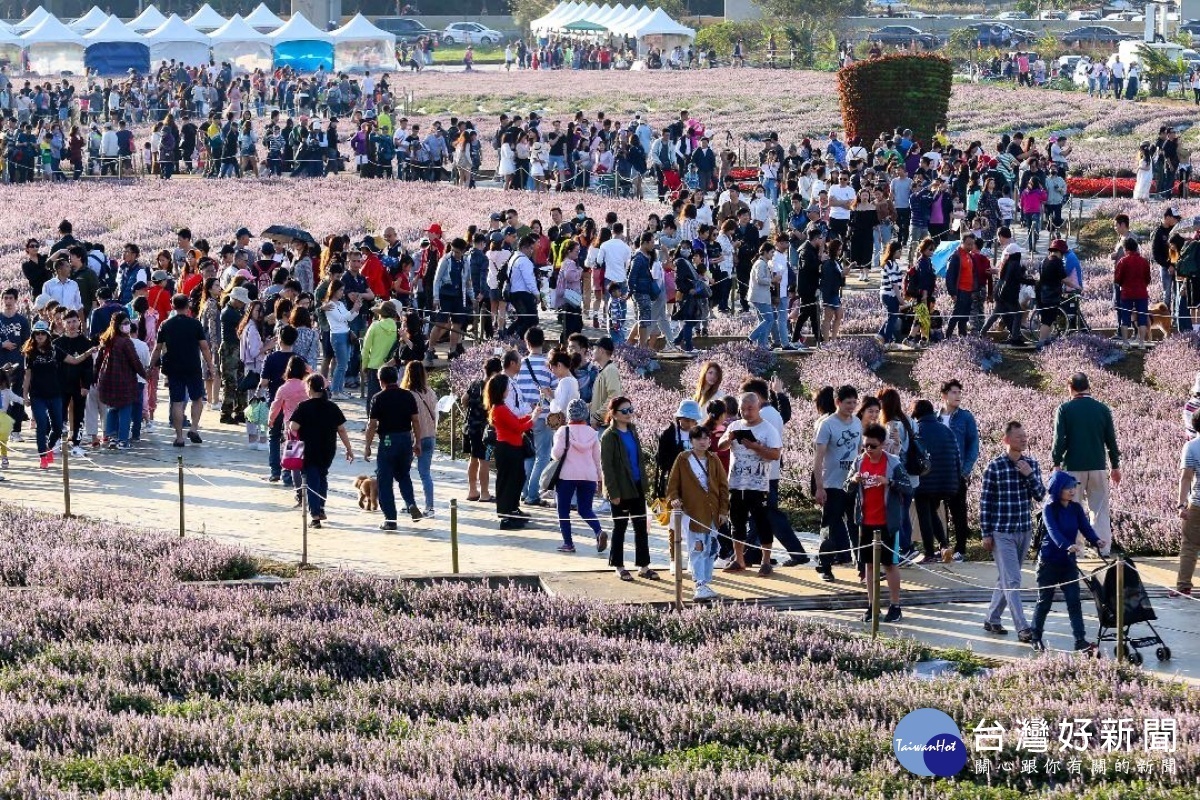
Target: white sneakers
[(704, 592)]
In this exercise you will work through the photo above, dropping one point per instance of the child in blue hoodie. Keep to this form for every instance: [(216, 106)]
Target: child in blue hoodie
[(1065, 521)]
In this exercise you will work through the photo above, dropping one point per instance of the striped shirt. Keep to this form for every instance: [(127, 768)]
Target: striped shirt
[(527, 386), (890, 282)]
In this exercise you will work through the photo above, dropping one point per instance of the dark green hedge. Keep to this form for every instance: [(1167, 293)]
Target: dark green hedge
[(910, 91)]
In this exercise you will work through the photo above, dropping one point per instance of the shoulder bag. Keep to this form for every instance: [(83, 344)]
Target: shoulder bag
[(551, 474)]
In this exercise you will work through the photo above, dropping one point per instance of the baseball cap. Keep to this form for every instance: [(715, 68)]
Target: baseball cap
[(139, 286), (160, 276), (1060, 245), (435, 229), (496, 216), (510, 231), (1171, 211)]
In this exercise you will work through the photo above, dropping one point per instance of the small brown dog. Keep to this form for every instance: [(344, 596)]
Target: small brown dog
[(1160, 319), (368, 492)]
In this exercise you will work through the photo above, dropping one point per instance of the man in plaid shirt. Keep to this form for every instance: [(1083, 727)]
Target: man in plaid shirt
[(1011, 483)]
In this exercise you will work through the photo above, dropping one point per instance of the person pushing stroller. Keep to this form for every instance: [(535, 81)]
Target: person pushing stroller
[(1064, 520)]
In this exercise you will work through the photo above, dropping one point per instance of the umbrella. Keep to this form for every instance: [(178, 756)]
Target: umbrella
[(284, 233), (584, 25)]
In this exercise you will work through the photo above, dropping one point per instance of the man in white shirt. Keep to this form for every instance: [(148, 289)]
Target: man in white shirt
[(110, 150), (523, 287), (615, 255), (755, 445), (62, 288), (841, 196), (779, 267)]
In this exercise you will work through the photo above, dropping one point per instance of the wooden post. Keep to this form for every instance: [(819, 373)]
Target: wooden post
[(676, 534), (66, 450), (303, 522), (454, 535), (179, 463), (1120, 567), (874, 588)]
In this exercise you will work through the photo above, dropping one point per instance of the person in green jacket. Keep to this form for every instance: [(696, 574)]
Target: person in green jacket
[(379, 345), (1083, 436), (626, 482)]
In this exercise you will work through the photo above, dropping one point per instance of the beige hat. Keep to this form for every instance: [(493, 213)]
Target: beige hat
[(241, 294), (42, 301)]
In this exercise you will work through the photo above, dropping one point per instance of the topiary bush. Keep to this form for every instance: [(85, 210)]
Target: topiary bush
[(909, 91)]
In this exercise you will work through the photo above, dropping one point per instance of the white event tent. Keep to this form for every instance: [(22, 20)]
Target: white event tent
[(302, 46), (114, 49), (175, 39), (359, 46), (89, 22), (206, 19), (242, 46), (263, 19), (32, 21), (661, 31), (549, 21), (51, 48), (147, 21)]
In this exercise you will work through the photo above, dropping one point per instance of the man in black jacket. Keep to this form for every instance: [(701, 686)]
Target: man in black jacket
[(1050, 289), (1160, 252), (748, 240), (808, 284), (1008, 291)]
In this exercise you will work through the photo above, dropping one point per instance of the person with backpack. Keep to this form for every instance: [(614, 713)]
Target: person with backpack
[(1008, 291)]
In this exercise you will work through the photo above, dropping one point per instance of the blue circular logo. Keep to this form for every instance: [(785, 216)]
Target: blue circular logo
[(928, 742)]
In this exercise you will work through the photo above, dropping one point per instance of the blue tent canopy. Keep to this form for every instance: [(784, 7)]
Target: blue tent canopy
[(304, 56), (117, 58)]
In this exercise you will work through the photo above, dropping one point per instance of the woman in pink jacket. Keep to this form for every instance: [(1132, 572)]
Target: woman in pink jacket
[(1032, 199), (577, 451), (292, 393)]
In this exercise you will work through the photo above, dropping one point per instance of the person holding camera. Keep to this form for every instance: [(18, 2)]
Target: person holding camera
[(754, 444)]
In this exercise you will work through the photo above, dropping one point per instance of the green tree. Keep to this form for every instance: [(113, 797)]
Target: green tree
[(1159, 69), (962, 44)]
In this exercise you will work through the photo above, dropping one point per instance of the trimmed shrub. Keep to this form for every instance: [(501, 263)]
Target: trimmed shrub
[(907, 91)]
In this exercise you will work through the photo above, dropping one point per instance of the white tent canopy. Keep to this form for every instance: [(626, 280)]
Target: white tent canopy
[(299, 29), (608, 14), (32, 21), (52, 48), (89, 21), (661, 24), (360, 46), (243, 47), (147, 21), (617, 23), (175, 39), (631, 23), (263, 19), (113, 30), (206, 19), (561, 10)]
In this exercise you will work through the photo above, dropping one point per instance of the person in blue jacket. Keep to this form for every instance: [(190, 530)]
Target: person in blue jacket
[(940, 483), (1065, 520), (966, 432)]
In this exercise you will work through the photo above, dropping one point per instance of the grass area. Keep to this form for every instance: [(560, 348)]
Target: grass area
[(1095, 238), (453, 54)]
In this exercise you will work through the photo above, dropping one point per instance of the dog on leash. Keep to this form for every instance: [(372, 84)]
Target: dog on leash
[(1160, 320), (368, 492)]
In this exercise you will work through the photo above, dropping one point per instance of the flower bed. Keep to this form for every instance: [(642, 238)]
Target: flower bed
[(343, 686), (1109, 187)]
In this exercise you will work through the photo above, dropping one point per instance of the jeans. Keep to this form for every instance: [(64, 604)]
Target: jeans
[(929, 521), (583, 492), (835, 530), (1067, 574), (956, 512), (702, 560), (48, 420), (117, 423), (275, 446), (543, 442), (394, 465), (1033, 223), (1168, 283), (317, 478), (883, 235), (1010, 313), (781, 322), (424, 467), (1009, 552), (341, 359), (891, 324), (761, 335), (684, 339)]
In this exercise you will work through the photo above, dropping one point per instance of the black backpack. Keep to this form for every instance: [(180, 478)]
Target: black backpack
[(916, 460)]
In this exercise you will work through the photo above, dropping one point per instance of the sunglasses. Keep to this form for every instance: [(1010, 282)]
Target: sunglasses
[(625, 411), (870, 447)]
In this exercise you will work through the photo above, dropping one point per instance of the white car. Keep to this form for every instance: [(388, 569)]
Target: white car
[(470, 33), (1084, 16), (1011, 15)]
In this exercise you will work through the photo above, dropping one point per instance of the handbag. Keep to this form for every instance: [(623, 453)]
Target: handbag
[(249, 382), (572, 298), (551, 474), (528, 447), (293, 454)]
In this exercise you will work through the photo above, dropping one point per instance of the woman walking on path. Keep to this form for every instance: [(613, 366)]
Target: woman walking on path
[(577, 451), (626, 481)]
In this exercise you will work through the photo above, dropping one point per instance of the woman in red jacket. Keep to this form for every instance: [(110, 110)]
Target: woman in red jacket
[(508, 452)]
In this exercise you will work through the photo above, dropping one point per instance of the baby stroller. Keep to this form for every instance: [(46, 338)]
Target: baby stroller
[(1102, 583)]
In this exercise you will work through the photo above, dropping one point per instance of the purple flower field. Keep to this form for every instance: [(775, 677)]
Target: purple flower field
[(341, 686)]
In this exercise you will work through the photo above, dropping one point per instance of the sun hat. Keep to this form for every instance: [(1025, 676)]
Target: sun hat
[(689, 409), (577, 410), (41, 326), (241, 294)]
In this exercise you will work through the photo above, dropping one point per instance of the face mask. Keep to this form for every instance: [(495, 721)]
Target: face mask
[(126, 328)]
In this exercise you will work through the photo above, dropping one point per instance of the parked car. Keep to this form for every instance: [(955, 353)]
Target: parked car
[(903, 35), (406, 29), (998, 34), (1052, 15), (1191, 27), (1124, 16), (1094, 34), (1084, 16), (470, 33), (1010, 15)]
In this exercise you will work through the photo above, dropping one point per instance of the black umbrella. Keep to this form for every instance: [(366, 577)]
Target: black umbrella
[(284, 233)]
